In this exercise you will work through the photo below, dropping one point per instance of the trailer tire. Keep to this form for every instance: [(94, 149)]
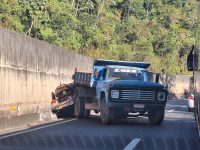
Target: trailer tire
[(80, 111), (156, 116), (106, 113)]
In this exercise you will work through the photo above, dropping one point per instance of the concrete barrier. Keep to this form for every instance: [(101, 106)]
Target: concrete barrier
[(29, 71), (179, 86)]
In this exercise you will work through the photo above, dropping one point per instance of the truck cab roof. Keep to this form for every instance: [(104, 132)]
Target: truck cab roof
[(103, 63), (124, 67)]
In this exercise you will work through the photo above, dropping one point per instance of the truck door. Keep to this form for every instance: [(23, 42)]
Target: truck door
[(100, 82)]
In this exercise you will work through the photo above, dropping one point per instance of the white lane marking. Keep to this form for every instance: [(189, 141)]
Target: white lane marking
[(172, 110), (31, 130), (176, 111), (169, 105), (184, 106), (132, 144)]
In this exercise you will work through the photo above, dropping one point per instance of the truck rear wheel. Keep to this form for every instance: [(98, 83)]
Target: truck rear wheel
[(80, 111), (106, 113), (156, 116)]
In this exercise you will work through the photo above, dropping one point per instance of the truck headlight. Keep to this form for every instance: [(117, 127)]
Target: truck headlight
[(161, 96), (115, 93)]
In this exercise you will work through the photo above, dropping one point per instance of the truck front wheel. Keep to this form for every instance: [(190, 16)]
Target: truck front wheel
[(156, 116), (80, 111), (106, 113)]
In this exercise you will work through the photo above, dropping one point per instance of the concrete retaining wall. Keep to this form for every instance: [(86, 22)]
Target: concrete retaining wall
[(29, 70), (179, 85)]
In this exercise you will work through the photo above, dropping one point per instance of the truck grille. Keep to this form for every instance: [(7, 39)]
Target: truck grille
[(137, 95)]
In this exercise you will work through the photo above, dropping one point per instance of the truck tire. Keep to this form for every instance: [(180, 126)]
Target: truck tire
[(106, 114), (156, 116), (80, 111)]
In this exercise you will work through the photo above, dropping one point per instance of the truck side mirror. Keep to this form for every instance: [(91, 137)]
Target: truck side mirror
[(190, 60), (157, 78), (73, 76), (104, 73), (96, 74)]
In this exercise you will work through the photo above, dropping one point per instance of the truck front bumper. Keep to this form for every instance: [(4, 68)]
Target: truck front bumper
[(136, 107)]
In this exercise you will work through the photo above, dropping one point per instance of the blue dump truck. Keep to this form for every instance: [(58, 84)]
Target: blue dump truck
[(118, 89)]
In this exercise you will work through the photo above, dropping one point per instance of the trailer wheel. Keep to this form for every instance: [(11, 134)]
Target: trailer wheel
[(156, 116), (106, 113), (80, 111)]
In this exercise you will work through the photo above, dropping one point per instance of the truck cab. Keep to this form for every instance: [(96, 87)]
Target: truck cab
[(113, 73), (118, 88)]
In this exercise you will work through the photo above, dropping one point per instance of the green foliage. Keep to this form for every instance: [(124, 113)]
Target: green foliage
[(159, 31)]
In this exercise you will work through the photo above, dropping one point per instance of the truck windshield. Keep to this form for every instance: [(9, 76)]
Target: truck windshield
[(126, 74)]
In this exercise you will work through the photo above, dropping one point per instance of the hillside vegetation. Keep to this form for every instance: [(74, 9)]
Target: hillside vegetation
[(159, 31)]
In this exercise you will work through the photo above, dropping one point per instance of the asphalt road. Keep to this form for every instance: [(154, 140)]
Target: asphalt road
[(177, 132)]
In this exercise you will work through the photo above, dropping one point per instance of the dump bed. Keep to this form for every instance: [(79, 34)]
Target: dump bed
[(82, 78)]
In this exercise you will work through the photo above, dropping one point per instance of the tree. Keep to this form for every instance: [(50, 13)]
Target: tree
[(159, 31)]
